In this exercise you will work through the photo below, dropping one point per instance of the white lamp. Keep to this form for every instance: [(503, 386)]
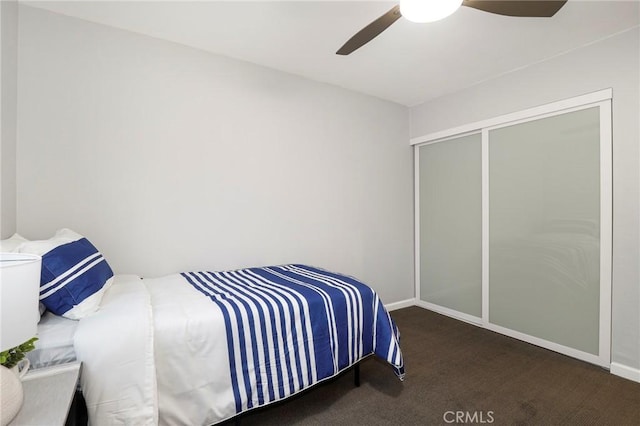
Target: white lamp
[(428, 10), (19, 316)]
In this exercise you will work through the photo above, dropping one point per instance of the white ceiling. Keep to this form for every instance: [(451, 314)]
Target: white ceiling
[(408, 63)]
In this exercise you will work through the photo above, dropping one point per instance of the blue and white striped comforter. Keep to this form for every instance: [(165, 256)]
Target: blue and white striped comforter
[(289, 327)]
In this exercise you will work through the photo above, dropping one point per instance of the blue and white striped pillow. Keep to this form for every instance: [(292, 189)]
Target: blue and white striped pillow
[(74, 273)]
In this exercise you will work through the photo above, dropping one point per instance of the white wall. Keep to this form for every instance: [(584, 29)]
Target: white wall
[(615, 63), (8, 111), (170, 159)]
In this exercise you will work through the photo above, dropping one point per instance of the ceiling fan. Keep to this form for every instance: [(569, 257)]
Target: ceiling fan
[(433, 10)]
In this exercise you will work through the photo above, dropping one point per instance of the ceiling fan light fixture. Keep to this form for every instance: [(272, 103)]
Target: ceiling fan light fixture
[(422, 11)]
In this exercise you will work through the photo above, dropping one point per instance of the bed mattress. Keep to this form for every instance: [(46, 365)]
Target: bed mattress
[(55, 341)]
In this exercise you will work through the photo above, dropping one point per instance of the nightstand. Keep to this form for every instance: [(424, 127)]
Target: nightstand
[(48, 394)]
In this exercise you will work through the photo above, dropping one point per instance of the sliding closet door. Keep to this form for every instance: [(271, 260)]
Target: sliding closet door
[(514, 222), (544, 203), (449, 183)]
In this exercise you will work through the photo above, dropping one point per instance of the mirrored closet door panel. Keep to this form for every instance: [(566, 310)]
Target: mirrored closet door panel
[(544, 228), (450, 224)]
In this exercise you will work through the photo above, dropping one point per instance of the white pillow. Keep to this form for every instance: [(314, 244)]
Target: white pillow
[(11, 244), (74, 274)]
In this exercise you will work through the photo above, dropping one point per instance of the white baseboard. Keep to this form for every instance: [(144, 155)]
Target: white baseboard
[(450, 313), (401, 304), (625, 371)]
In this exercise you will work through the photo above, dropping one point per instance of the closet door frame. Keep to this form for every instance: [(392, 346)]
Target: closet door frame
[(601, 99)]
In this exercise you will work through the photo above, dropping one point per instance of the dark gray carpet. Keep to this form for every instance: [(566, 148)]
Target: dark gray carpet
[(457, 369)]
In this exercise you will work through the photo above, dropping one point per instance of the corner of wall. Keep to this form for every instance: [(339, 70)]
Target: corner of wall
[(8, 115)]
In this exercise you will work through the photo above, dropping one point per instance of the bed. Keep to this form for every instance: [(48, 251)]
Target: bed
[(207, 346), (200, 348)]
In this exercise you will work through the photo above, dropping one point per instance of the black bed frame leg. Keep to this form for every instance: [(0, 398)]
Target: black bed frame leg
[(356, 375)]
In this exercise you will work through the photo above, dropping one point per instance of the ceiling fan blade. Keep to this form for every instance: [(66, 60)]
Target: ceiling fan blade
[(524, 8), (370, 32)]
